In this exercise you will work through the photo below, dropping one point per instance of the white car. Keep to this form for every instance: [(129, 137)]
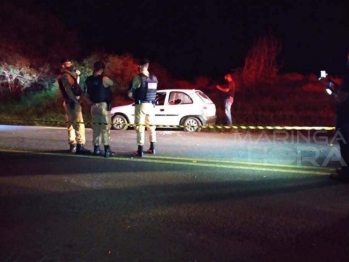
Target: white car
[(174, 108)]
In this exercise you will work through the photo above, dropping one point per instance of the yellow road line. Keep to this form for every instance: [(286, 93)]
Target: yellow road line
[(245, 167), (200, 162), (238, 162)]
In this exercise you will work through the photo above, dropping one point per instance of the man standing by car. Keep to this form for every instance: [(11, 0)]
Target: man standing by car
[(143, 91), (71, 92), (99, 97), (229, 91)]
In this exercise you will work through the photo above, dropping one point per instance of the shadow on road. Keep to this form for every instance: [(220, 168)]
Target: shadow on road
[(79, 208)]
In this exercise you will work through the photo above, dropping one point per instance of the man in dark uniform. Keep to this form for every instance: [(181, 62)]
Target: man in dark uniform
[(342, 124), (229, 91), (143, 91), (99, 97), (68, 83)]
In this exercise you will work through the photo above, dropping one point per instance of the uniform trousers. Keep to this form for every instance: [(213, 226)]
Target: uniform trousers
[(74, 123), (101, 123), (145, 117)]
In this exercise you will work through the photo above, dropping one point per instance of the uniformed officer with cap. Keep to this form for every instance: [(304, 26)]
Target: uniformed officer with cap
[(99, 96), (68, 82), (143, 91)]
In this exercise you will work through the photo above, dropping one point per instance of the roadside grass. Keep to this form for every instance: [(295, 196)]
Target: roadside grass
[(284, 104), (278, 107)]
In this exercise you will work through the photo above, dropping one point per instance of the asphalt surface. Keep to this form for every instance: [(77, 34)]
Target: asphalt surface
[(208, 196)]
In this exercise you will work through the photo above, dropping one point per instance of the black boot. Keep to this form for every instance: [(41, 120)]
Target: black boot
[(97, 151), (151, 149), (139, 152), (72, 148), (108, 152), (80, 149)]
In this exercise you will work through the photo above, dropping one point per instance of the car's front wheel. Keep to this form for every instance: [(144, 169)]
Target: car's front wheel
[(192, 124), (119, 122)]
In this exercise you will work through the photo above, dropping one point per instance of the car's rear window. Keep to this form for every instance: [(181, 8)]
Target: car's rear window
[(204, 97)]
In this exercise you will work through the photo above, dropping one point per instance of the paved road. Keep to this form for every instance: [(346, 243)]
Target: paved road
[(205, 196)]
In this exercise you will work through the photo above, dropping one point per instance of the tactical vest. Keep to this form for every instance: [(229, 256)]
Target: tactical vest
[(96, 90), (147, 90), (61, 88), (75, 87)]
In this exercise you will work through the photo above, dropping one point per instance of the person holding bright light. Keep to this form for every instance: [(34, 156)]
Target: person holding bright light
[(229, 91), (341, 94)]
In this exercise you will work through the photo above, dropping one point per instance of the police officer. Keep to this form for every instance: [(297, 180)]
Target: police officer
[(98, 94), (342, 124), (68, 82), (143, 91)]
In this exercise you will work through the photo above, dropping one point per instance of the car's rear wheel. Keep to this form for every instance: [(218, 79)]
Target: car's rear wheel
[(192, 124), (119, 122)]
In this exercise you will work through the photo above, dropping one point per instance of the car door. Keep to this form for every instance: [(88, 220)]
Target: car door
[(160, 114), (178, 105)]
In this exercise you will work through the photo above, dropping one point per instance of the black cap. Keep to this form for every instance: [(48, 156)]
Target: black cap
[(98, 65), (65, 60), (143, 61)]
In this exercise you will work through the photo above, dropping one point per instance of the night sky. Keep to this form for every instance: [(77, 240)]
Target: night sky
[(193, 38)]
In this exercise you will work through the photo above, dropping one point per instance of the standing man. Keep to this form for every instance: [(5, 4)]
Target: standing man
[(99, 97), (68, 82), (143, 91), (342, 123), (229, 91)]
